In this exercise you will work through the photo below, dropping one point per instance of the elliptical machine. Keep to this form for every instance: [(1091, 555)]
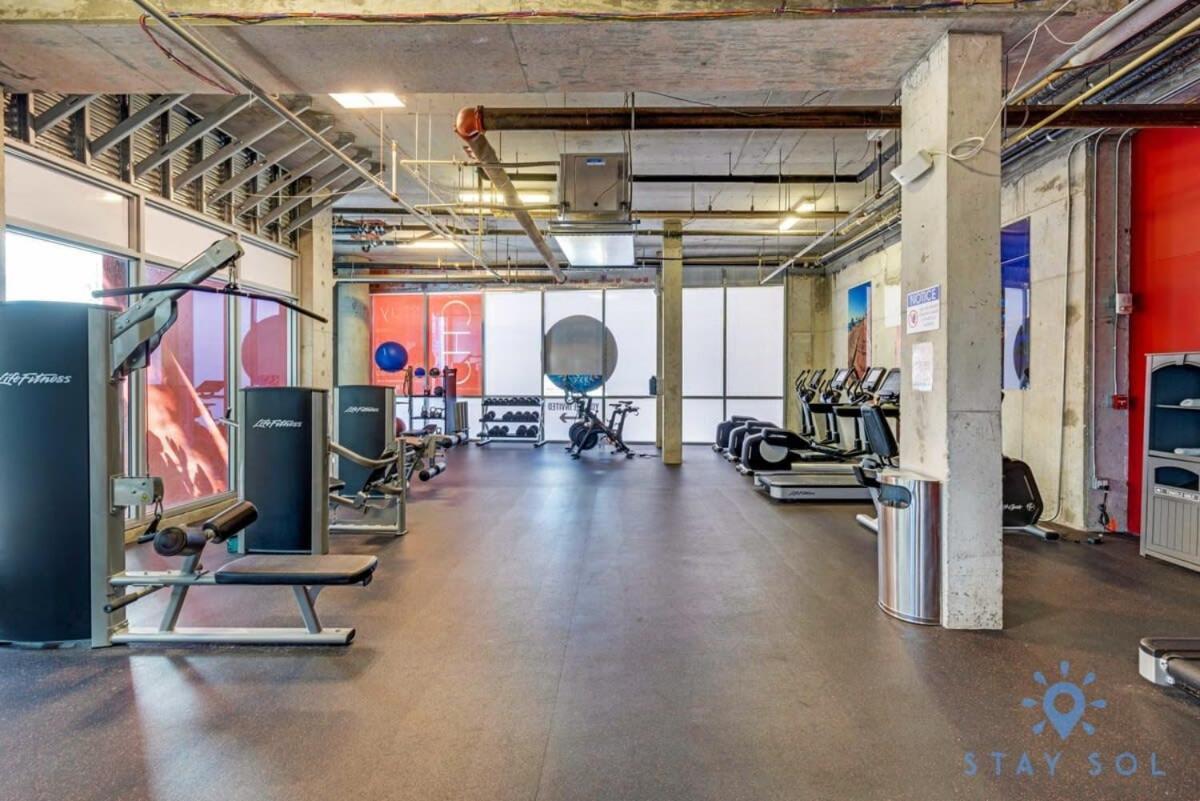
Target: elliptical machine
[(589, 427)]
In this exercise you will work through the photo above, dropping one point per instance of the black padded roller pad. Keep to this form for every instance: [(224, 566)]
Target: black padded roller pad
[(231, 521), (309, 571), (1185, 672)]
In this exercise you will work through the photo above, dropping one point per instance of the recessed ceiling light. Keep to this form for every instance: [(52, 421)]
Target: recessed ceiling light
[(788, 223), (805, 206), (357, 100), (496, 198)]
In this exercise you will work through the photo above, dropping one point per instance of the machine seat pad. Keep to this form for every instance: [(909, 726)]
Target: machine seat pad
[(287, 569)]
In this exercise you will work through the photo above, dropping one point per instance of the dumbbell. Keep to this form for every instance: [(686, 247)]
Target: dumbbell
[(504, 430), (507, 416), (494, 431), (521, 431), (533, 431), (491, 415)]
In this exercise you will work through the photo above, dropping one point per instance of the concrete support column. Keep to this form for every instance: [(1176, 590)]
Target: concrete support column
[(354, 334), (670, 381), (315, 246), (658, 372), (802, 293), (951, 240), (3, 277)]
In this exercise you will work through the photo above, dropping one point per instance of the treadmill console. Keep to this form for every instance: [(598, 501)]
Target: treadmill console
[(889, 390), (838, 382), (872, 380)]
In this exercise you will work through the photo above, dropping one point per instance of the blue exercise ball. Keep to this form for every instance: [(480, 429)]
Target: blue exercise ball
[(392, 357), (576, 383)]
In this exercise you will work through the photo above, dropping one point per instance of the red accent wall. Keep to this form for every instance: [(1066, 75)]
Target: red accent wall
[(1165, 269)]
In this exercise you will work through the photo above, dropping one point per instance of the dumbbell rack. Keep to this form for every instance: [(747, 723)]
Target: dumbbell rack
[(530, 402)]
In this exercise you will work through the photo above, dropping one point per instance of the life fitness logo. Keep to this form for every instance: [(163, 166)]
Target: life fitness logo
[(32, 379), (276, 423), (362, 410)]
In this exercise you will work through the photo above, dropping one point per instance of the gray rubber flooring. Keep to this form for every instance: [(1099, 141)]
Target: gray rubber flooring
[(619, 631)]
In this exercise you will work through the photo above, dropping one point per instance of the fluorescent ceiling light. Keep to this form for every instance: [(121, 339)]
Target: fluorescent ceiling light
[(598, 249), (496, 198), (367, 100), (428, 244), (789, 222)]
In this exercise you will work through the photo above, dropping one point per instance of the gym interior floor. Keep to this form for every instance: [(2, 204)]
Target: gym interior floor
[(618, 630)]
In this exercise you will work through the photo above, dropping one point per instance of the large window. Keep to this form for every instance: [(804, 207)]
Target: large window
[(732, 356), (186, 393), (264, 343), (43, 269)]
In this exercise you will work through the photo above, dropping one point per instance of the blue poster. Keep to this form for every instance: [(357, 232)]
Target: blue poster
[(1014, 303)]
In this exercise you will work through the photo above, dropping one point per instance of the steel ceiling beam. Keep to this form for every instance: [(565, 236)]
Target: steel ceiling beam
[(686, 118), (290, 177), (60, 111), (192, 134), (126, 127), (239, 143), (318, 184), (316, 208), (273, 158)]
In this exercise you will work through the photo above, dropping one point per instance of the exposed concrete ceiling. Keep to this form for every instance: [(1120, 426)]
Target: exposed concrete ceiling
[(440, 68)]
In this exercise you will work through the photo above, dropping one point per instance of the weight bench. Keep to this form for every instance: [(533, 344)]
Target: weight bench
[(306, 575)]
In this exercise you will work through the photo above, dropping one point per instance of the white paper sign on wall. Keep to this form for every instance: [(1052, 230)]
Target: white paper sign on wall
[(922, 367), (923, 310)]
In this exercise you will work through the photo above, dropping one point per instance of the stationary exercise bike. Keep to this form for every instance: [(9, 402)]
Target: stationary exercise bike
[(589, 427)]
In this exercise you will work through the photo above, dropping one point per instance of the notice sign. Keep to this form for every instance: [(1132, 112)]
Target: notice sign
[(922, 367), (924, 310)]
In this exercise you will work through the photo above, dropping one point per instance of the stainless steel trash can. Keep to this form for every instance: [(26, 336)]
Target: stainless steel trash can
[(910, 538)]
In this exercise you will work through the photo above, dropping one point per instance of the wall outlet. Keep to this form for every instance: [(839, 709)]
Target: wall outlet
[(1123, 303), (1120, 401)]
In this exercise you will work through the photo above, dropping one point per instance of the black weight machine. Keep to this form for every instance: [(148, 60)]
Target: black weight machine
[(62, 564)]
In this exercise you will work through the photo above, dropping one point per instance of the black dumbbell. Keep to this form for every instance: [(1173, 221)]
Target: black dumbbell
[(506, 416), (532, 430), (520, 431), (504, 430), (489, 416)]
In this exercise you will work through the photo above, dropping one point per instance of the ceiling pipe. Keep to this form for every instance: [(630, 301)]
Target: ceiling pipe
[(471, 132), (685, 214), (271, 102), (767, 233), (1114, 31), (1076, 102), (863, 118)]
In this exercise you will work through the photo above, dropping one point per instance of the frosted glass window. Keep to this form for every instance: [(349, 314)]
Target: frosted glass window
[(171, 237), (512, 343), (267, 268), (560, 304), (754, 341), (639, 427), (44, 196), (700, 418), (703, 358), (632, 317), (770, 409), (556, 429)]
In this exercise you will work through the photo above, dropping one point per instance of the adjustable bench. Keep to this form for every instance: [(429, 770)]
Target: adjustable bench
[(306, 575)]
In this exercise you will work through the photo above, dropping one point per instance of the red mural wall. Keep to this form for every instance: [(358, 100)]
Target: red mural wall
[(1165, 269), (397, 318), (456, 338)]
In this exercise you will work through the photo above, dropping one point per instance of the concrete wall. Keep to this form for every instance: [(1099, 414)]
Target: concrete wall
[(1050, 417), (807, 316), (1045, 425), (882, 269)]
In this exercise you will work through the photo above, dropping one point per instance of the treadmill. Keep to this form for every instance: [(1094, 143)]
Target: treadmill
[(792, 486), (878, 383), (1171, 662)]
